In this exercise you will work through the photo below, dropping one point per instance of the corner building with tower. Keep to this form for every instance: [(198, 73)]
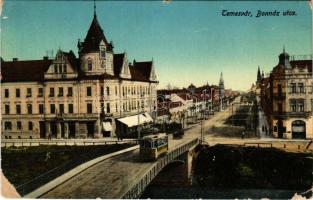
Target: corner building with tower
[(76, 97)]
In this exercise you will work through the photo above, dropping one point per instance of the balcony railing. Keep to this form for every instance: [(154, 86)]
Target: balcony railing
[(291, 114)]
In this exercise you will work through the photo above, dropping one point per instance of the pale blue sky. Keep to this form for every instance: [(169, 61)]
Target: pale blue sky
[(189, 41)]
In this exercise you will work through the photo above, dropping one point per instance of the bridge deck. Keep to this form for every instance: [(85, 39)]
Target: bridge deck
[(110, 178)]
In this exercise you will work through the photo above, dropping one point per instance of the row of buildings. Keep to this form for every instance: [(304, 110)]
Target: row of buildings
[(93, 95), (192, 102), (286, 97)]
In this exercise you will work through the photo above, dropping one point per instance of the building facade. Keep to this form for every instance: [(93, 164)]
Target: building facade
[(286, 97), (75, 97)]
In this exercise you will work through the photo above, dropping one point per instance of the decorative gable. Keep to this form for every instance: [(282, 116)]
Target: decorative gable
[(62, 67), (153, 76), (125, 73)]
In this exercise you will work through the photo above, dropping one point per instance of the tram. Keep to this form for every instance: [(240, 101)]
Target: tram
[(152, 146)]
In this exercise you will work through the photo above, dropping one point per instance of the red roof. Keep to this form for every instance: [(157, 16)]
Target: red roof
[(118, 63), (140, 71), (19, 71)]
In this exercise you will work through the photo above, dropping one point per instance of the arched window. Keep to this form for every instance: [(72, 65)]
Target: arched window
[(89, 63)]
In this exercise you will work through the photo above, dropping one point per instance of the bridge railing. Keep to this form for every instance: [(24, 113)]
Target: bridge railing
[(140, 184)]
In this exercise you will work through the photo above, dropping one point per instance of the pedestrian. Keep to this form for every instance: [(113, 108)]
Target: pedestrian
[(242, 135), (49, 136)]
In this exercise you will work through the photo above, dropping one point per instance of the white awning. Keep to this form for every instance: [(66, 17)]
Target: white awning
[(106, 126), (149, 118), (135, 120)]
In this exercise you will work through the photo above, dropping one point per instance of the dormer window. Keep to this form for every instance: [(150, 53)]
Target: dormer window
[(102, 52), (89, 64)]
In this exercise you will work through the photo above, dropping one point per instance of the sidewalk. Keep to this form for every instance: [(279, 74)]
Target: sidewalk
[(62, 141)]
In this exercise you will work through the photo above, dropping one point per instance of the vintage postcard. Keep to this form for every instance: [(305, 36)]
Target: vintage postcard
[(156, 99)]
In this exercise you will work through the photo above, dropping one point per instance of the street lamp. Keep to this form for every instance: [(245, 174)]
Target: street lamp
[(142, 106)]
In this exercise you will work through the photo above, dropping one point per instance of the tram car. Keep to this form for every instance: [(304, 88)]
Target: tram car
[(152, 146)]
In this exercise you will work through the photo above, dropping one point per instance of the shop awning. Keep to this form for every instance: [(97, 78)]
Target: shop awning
[(135, 120), (106, 126), (149, 118)]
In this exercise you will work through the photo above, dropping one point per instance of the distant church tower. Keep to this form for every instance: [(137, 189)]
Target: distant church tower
[(221, 91), (259, 77)]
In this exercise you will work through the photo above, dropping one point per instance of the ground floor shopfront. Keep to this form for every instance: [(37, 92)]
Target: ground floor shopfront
[(57, 128), (293, 128)]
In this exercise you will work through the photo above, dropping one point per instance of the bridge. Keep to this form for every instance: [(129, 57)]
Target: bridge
[(121, 176)]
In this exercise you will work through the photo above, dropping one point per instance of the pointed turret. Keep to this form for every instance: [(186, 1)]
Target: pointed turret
[(259, 76), (221, 83), (94, 36), (95, 53), (221, 91)]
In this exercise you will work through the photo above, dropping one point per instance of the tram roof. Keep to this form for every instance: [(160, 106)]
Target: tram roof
[(159, 135)]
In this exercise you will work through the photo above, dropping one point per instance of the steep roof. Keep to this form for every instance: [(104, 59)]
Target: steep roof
[(93, 38), (118, 63), (28, 70), (140, 71)]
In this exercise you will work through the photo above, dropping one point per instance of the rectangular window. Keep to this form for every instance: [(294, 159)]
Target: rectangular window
[(61, 108), (69, 91), (108, 107), (102, 52), (7, 109), (89, 108), (301, 106), (60, 92), (18, 109), (89, 65), (7, 126), (102, 91), (64, 68), (55, 68), (29, 108), (70, 108), (279, 89), (19, 125), (17, 92), (52, 108), (293, 88), (88, 91), (301, 87), (40, 92), (41, 110), (293, 106), (30, 126), (51, 92), (60, 68), (6, 93), (108, 91), (29, 92)]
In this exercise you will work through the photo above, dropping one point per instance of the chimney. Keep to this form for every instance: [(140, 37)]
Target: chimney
[(45, 58), (15, 59)]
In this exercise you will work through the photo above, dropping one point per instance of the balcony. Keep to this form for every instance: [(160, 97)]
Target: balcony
[(285, 115), (77, 116), (299, 114)]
